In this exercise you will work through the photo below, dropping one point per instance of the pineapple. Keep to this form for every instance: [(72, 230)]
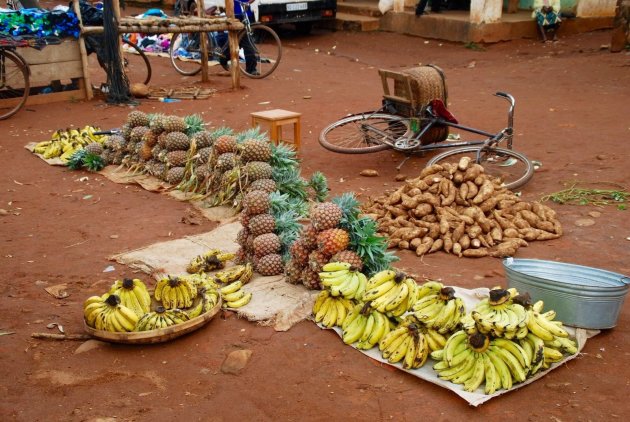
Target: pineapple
[(156, 123), (94, 148), (137, 118), (150, 138), (203, 139), (270, 264), (106, 155), (226, 162), (177, 141), (162, 140), (299, 252), (350, 257), (116, 143), (241, 257), (316, 260), (256, 202), (268, 185), (261, 224), (326, 215), (176, 158), (241, 236), (310, 279), (255, 150), (225, 143), (194, 124), (255, 170), (174, 124), (175, 175), (137, 133), (146, 152), (265, 244), (309, 236), (331, 241), (249, 244), (125, 130), (202, 172), (204, 154), (245, 220), (293, 272)]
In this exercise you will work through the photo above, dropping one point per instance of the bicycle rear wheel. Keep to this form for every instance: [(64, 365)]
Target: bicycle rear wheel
[(14, 83), (364, 133), (136, 63), (185, 53), (512, 167), (266, 49)]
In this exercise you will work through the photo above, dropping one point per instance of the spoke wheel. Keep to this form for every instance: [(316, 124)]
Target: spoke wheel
[(14, 84), (364, 133), (263, 46), (136, 63), (512, 167)]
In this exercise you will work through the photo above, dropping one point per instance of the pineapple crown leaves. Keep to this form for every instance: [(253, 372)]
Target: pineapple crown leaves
[(349, 206), (288, 181), (75, 162), (93, 162), (319, 184), (253, 133), (282, 202), (220, 131), (283, 156), (194, 124), (288, 230)]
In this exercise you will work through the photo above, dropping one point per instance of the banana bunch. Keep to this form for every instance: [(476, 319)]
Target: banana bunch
[(543, 324), (365, 326), (200, 280), (175, 292), (108, 314), (214, 259), (440, 309), (390, 292), (343, 280), (242, 273), (476, 359), (405, 343), (207, 299), (501, 316), (64, 143), (161, 318), (234, 296), (434, 338), (133, 294), (331, 310)]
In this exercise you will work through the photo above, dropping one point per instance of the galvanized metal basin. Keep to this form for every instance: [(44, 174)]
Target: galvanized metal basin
[(582, 296)]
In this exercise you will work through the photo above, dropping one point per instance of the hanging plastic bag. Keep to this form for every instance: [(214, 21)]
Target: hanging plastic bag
[(385, 5)]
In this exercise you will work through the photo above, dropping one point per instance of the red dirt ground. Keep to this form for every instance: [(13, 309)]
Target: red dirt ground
[(572, 115)]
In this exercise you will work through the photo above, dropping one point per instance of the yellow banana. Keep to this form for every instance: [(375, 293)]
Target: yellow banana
[(241, 302)]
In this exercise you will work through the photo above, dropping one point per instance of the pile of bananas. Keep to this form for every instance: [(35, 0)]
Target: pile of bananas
[(175, 292), (391, 292), (207, 298), (366, 326), (343, 280), (434, 338), (331, 310), (133, 294), (407, 343), (161, 318), (230, 282), (500, 315), (108, 314), (64, 143), (214, 259), (438, 308)]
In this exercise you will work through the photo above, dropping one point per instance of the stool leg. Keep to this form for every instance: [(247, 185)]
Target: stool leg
[(297, 131), (274, 133)]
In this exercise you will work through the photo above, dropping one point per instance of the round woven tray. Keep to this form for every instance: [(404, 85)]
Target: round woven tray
[(428, 83), (155, 336)]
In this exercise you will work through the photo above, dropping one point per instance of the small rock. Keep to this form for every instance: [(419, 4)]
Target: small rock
[(41, 283), (3, 211), (595, 214), (369, 173), (601, 157), (113, 236), (478, 277), (90, 345), (236, 361), (400, 177), (584, 222)]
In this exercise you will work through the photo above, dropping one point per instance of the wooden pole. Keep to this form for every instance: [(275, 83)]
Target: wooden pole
[(233, 43), (84, 57), (203, 39)]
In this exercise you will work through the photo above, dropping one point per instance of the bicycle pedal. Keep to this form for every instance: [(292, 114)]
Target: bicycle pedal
[(406, 144)]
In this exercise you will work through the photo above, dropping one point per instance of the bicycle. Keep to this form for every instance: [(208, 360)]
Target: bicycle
[(257, 42), (383, 129)]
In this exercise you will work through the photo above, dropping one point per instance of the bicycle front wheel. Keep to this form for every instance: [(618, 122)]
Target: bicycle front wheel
[(185, 53), (262, 51), (512, 167), (136, 63), (364, 133), (14, 84)]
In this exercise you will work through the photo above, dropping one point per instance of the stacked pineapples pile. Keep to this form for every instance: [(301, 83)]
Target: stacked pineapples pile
[(336, 233)]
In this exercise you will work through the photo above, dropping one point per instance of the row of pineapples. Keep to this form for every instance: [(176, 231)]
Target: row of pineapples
[(336, 233)]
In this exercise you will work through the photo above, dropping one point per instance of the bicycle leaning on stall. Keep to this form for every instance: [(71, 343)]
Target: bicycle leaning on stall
[(386, 128), (259, 46)]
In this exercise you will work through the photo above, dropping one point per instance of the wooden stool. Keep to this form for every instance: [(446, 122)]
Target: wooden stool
[(278, 118)]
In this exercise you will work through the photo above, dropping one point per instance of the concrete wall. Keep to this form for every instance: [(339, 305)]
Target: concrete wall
[(595, 8)]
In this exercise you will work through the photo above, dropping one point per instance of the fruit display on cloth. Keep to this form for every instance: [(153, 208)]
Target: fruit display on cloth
[(459, 209), (336, 233), (128, 305), (65, 143), (228, 281)]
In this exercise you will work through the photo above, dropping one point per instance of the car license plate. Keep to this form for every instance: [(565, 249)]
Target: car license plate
[(292, 7)]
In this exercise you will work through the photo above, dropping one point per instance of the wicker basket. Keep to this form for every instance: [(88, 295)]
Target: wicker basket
[(426, 83)]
